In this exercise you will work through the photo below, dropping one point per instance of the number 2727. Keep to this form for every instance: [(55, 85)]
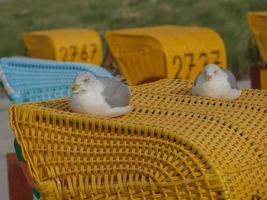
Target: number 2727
[(189, 60)]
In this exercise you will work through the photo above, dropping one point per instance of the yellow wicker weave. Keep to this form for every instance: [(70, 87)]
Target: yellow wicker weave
[(171, 146)]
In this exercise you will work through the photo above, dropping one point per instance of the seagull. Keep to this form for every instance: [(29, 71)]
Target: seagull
[(217, 83), (99, 96)]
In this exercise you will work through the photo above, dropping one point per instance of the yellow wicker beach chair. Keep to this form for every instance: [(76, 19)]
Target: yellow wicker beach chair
[(82, 45), (171, 146), (258, 25), (144, 54)]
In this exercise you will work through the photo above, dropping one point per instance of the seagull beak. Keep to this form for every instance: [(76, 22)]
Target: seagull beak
[(75, 86), (208, 77)]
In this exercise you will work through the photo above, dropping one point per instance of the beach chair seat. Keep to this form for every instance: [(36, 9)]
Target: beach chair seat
[(172, 145)]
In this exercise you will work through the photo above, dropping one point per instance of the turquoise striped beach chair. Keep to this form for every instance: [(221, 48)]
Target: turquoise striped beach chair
[(26, 79)]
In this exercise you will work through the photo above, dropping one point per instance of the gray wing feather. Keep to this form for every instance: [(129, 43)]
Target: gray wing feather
[(198, 79), (231, 79), (116, 93)]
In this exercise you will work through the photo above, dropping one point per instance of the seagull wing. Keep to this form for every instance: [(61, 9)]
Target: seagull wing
[(231, 79), (115, 92), (199, 79)]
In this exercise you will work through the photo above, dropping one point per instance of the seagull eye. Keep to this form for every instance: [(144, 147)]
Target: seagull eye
[(215, 72)]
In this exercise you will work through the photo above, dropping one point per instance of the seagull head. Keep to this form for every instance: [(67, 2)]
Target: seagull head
[(212, 71), (83, 82)]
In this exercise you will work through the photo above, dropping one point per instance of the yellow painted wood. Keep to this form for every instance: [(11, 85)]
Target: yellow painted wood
[(263, 79), (258, 25), (81, 45), (172, 145), (165, 51)]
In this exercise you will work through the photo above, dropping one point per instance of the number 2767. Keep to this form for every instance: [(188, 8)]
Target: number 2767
[(72, 52)]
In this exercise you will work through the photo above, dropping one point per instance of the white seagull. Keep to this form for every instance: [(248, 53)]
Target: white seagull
[(99, 96), (217, 83)]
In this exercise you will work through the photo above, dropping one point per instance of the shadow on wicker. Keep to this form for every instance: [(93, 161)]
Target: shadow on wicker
[(171, 146)]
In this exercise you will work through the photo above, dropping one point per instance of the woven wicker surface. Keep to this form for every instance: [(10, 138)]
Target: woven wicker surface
[(27, 79), (171, 146)]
